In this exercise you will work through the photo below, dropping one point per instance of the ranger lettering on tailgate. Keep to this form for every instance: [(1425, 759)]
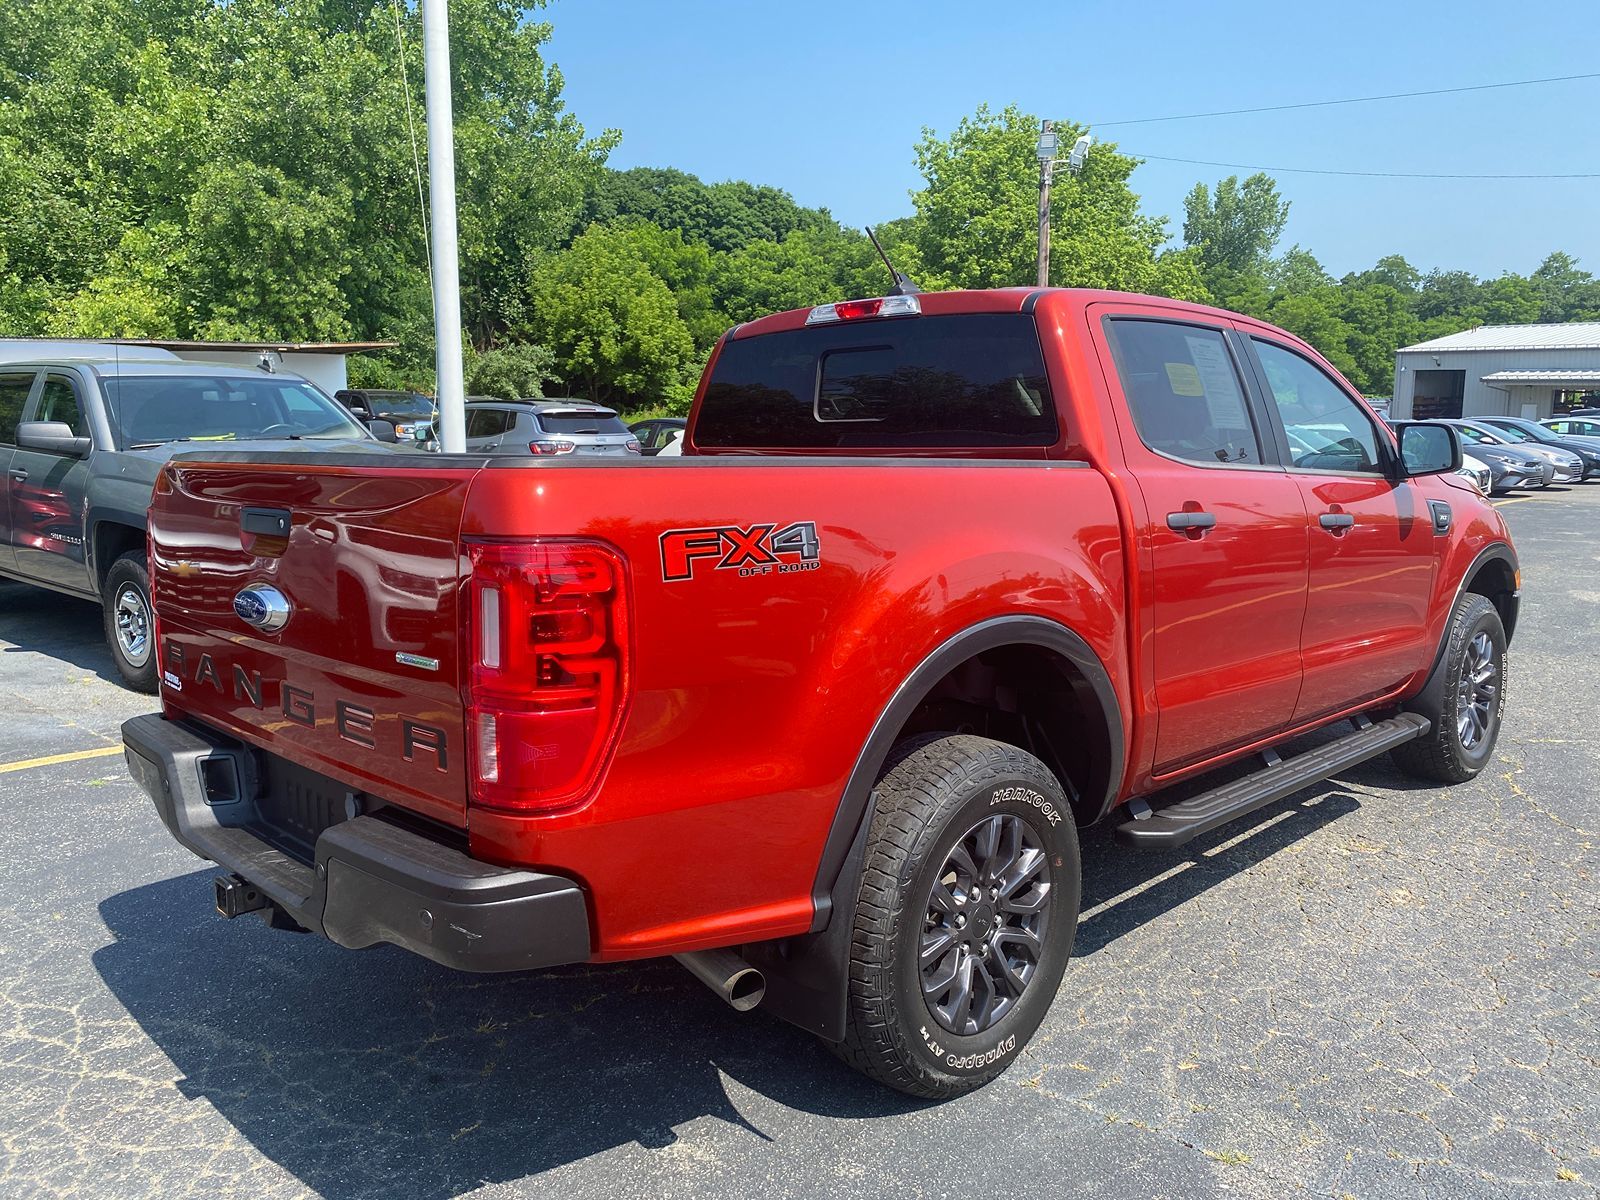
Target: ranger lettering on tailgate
[(354, 723)]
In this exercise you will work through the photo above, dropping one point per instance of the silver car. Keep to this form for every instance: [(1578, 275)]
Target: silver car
[(1567, 466), (556, 426), (1523, 468), (1535, 436)]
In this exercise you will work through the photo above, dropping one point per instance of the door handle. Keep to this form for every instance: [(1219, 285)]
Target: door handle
[(1336, 521), (19, 475), (1194, 523)]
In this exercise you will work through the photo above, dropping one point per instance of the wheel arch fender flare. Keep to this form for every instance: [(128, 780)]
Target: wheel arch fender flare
[(808, 975), (112, 530), (1431, 692)]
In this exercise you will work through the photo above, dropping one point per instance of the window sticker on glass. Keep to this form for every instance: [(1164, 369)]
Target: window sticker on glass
[(1216, 376), (1184, 379)]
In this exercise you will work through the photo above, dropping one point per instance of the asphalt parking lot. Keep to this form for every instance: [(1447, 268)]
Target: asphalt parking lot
[(1373, 989)]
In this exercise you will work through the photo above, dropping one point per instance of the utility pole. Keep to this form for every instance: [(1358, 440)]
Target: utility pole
[(452, 417), (1046, 151), (1047, 162)]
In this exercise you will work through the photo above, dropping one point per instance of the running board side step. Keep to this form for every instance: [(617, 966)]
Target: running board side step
[(1168, 827)]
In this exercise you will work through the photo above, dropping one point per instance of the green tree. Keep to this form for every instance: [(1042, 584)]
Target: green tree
[(611, 322), (977, 213), (1234, 229), (1296, 273), (804, 269), (513, 371), (1566, 293), (265, 144), (135, 295), (724, 216)]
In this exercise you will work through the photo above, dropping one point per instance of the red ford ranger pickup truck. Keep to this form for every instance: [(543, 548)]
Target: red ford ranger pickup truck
[(819, 707)]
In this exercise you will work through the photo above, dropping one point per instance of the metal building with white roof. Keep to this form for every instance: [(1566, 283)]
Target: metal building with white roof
[(1498, 370)]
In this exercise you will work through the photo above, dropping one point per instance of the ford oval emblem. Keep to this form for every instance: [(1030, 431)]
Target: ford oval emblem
[(263, 606)]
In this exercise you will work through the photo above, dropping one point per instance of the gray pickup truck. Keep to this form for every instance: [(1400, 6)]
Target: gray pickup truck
[(81, 442)]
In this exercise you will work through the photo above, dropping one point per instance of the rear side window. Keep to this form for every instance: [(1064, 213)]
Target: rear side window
[(487, 422), (14, 389), (581, 422), (1184, 391), (959, 380)]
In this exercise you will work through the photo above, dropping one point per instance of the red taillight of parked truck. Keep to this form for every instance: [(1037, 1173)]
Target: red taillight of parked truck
[(548, 680)]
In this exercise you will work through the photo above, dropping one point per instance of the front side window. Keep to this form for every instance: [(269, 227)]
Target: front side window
[(1327, 430), (1184, 391), (58, 401)]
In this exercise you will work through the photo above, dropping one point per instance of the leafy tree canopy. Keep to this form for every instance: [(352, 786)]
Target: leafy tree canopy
[(977, 214)]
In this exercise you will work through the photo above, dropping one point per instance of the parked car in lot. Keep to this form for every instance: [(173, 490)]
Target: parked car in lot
[(1574, 425), (81, 443), (547, 427), (1535, 436), (411, 413), (1568, 466), (1522, 467), (818, 707), (656, 433), (1477, 472)]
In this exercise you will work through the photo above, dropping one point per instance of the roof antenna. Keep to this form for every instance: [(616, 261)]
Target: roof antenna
[(902, 285)]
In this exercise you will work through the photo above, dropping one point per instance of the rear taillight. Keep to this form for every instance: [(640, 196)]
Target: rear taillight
[(548, 680), (551, 446), (632, 446)]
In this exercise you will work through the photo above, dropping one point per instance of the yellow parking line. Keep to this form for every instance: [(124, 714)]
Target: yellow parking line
[(1514, 500), (53, 759)]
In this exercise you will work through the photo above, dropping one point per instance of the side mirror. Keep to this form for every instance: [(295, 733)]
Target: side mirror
[(1427, 448), (53, 437), (382, 430), (360, 413)]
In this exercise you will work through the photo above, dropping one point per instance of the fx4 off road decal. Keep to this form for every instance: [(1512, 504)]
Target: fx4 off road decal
[(756, 550)]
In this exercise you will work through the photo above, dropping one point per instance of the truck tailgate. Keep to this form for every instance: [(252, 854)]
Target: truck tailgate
[(360, 681)]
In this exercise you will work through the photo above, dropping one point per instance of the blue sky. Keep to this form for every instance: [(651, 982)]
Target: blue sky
[(826, 100)]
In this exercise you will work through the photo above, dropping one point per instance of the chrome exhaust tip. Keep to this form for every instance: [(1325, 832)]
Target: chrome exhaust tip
[(738, 983)]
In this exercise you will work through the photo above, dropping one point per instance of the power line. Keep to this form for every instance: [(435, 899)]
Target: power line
[(1203, 162), (1234, 112)]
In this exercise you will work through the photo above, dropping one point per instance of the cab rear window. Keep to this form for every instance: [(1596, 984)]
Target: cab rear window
[(969, 380)]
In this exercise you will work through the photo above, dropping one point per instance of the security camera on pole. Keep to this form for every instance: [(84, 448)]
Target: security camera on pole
[(1046, 152)]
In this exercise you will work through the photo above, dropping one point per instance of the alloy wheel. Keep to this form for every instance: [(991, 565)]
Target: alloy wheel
[(1477, 692), (984, 932)]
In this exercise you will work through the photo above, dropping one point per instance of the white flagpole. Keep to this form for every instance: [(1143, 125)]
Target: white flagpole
[(452, 431)]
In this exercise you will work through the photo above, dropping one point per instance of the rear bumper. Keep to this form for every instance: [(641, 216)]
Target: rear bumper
[(371, 881)]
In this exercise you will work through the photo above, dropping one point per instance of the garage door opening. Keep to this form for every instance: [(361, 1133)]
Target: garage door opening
[(1438, 395)]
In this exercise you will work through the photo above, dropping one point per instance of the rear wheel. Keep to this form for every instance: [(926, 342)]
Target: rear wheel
[(130, 623), (968, 907), (1464, 702)]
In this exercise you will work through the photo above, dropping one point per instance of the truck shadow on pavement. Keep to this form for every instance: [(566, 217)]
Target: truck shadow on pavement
[(380, 1074), (72, 631)]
